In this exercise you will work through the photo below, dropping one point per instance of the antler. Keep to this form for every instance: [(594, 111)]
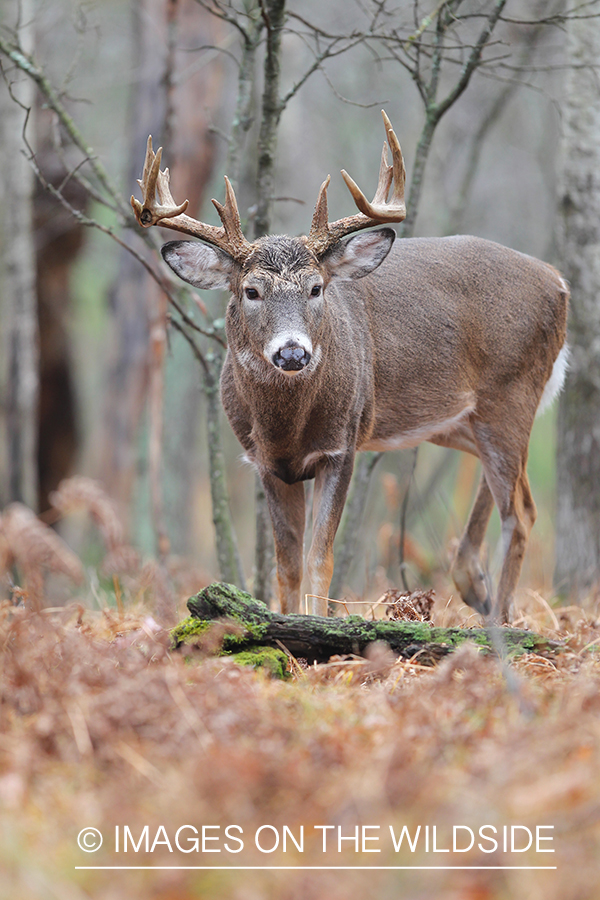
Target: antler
[(324, 234), (167, 214)]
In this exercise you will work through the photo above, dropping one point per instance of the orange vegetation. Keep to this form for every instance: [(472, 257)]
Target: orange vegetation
[(102, 725)]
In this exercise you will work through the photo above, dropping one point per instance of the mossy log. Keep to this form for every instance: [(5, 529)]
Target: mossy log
[(315, 638)]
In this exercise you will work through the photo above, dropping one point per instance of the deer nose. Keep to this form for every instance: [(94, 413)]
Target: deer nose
[(291, 357)]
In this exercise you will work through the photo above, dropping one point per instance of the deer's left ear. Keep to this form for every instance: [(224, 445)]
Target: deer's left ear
[(359, 255), (198, 264)]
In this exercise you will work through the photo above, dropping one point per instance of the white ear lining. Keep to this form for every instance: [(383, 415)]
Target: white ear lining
[(360, 255), (198, 264)]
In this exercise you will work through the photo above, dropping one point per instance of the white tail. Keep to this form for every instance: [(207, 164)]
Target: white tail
[(339, 346), (555, 383)]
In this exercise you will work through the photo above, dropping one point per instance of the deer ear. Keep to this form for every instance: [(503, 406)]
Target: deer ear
[(359, 255), (198, 264)]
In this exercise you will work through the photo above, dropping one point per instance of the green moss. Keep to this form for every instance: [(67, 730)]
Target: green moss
[(272, 661), (251, 632), (229, 601), (454, 637), (188, 629), (505, 641)]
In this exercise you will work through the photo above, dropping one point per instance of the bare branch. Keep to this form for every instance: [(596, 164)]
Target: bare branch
[(219, 13), (473, 60), (336, 93), (27, 65), (558, 18), (93, 223), (195, 348)]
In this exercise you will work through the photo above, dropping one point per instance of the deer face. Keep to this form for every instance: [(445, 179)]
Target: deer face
[(280, 292)]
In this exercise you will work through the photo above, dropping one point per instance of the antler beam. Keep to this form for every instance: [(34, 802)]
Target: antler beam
[(167, 214), (324, 234)]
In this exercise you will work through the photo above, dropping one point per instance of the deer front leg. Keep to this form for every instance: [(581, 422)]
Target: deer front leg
[(332, 480), (286, 506)]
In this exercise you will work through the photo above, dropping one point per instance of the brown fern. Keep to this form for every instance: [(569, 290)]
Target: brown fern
[(33, 547), (81, 493)]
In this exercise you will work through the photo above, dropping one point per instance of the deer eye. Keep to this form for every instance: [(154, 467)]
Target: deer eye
[(316, 290), (252, 294)]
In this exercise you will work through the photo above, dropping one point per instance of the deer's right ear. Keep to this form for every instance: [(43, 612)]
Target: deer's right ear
[(198, 264)]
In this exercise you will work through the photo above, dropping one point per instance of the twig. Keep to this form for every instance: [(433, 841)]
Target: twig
[(194, 346), (403, 512), (27, 65)]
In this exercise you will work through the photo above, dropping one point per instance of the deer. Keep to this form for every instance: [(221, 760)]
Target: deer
[(347, 340)]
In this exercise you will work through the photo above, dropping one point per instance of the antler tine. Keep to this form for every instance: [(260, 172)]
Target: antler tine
[(379, 208), (230, 217), (320, 215), (167, 214), (154, 181), (398, 169), (151, 164), (323, 235), (386, 175)]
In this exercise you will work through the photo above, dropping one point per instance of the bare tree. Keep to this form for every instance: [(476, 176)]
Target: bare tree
[(59, 239), (578, 511), (18, 311), (163, 35)]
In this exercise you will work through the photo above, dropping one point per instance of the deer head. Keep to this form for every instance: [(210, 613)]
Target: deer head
[(278, 283)]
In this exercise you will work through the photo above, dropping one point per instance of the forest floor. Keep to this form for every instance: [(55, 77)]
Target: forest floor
[(103, 725)]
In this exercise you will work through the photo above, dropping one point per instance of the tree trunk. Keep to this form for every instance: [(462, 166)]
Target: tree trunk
[(58, 239), (351, 521), (130, 299), (230, 566), (174, 106), (274, 18), (578, 509), (18, 307)]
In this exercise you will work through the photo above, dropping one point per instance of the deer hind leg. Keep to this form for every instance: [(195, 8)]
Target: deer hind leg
[(504, 459), (516, 528), (467, 572), (286, 505)]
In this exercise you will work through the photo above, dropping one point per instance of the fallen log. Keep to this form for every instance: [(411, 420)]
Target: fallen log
[(249, 624)]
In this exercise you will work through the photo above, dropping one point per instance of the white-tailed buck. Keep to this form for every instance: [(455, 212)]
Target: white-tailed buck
[(341, 345)]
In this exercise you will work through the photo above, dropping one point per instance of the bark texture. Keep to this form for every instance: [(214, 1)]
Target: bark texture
[(578, 511), (273, 17), (18, 307)]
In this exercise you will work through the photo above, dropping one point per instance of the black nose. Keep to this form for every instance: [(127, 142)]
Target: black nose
[(291, 358)]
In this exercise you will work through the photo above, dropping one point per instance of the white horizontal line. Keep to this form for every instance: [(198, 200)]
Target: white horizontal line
[(322, 868)]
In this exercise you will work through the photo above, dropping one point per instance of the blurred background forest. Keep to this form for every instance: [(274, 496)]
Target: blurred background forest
[(108, 369)]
